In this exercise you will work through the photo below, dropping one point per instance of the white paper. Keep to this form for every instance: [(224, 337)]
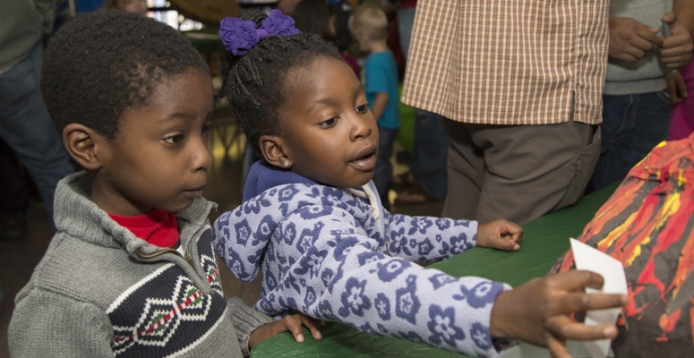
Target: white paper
[(590, 259), (527, 350)]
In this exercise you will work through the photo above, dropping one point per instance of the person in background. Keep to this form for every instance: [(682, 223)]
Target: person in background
[(429, 143), (25, 125), (636, 105), (521, 98), (369, 26)]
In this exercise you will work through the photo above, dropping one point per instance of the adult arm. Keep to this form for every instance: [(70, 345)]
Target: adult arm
[(676, 50), (630, 40), (684, 9)]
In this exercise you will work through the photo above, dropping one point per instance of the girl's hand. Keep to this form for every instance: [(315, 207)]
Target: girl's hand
[(500, 234), (290, 323), (538, 311)]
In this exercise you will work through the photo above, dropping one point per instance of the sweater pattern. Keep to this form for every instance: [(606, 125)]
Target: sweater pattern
[(100, 291), (172, 308)]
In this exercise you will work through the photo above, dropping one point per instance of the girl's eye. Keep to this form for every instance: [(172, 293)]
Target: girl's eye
[(329, 123), (207, 128), (363, 108), (173, 139)]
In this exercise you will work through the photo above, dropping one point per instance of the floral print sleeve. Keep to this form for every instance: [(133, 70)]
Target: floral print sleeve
[(425, 239)]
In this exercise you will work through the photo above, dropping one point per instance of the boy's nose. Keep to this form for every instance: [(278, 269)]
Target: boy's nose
[(202, 156)]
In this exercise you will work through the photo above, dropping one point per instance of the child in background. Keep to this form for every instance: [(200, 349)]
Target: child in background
[(131, 270), (369, 25), (136, 6), (317, 17), (311, 217)]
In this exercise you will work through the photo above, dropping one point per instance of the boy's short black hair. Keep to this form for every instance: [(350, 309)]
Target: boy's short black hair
[(100, 64), (255, 82)]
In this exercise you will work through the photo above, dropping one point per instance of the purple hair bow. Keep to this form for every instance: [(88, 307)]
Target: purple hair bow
[(239, 36)]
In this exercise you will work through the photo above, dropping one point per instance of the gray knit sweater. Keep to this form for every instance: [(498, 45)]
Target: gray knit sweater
[(101, 292)]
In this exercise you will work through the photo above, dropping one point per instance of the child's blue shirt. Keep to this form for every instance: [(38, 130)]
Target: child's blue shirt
[(381, 75), (327, 253)]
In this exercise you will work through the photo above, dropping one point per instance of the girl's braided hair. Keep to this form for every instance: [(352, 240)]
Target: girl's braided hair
[(255, 84)]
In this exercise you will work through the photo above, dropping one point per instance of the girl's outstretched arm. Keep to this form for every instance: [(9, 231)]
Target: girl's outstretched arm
[(327, 268)]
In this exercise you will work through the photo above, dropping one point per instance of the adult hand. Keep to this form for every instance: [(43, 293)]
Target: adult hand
[(538, 311), (676, 50), (290, 323), (500, 234), (676, 87), (630, 40)]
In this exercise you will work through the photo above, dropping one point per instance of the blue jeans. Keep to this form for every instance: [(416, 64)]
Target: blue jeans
[(631, 126), (384, 169), (430, 153), (26, 127)]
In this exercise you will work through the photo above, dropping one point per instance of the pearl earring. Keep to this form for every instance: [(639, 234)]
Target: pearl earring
[(286, 163)]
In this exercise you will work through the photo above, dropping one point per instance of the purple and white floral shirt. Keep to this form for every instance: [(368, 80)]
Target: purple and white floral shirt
[(327, 253)]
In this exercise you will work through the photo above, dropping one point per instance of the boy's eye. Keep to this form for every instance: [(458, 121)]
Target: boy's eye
[(329, 123), (173, 139), (363, 108)]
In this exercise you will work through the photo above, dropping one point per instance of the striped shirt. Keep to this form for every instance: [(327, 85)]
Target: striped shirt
[(513, 62)]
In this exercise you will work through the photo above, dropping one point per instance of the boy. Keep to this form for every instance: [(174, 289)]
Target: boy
[(124, 275), (369, 26)]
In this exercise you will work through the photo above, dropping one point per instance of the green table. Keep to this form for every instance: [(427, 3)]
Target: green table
[(545, 239)]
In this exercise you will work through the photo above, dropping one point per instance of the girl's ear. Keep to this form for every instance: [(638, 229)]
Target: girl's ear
[(84, 145), (272, 147)]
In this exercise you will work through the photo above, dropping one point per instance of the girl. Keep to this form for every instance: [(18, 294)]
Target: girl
[(312, 219)]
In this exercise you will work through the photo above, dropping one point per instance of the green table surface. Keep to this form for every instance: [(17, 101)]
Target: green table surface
[(544, 240)]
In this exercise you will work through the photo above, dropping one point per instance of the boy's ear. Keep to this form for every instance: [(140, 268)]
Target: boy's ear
[(273, 150), (83, 145)]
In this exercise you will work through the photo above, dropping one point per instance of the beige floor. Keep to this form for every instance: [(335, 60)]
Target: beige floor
[(17, 259)]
